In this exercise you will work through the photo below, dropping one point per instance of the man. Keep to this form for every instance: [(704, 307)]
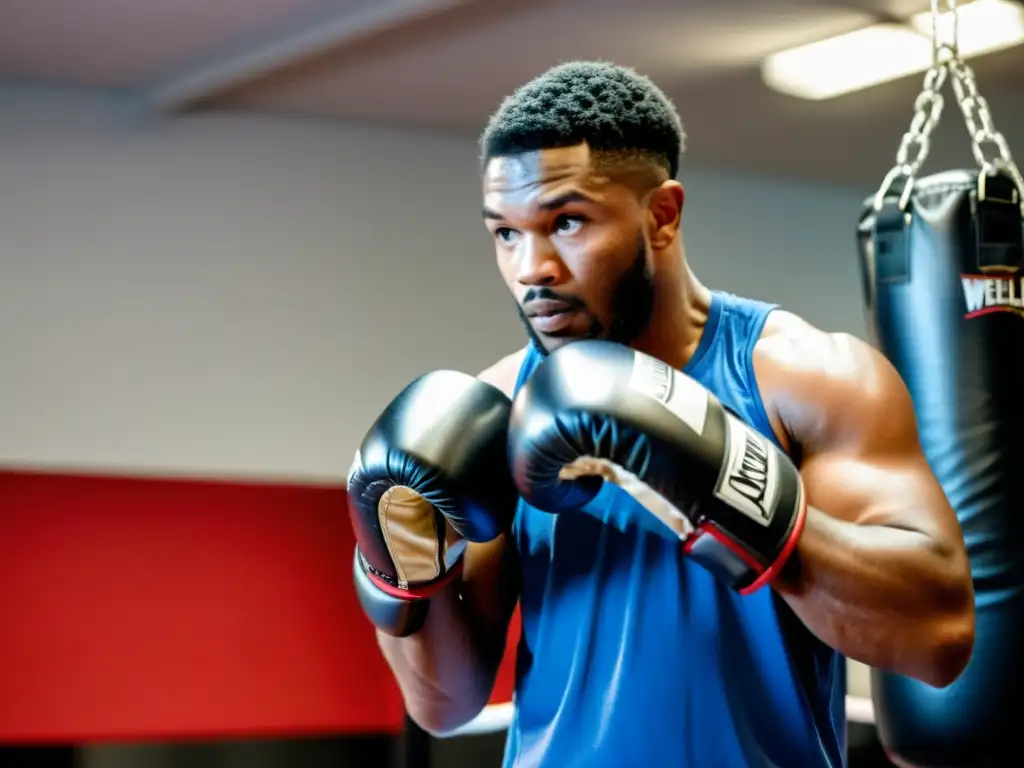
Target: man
[(660, 625)]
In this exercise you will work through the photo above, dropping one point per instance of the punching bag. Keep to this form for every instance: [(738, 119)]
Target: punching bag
[(942, 281)]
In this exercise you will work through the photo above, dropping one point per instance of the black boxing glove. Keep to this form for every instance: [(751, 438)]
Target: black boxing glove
[(596, 411), (430, 474)]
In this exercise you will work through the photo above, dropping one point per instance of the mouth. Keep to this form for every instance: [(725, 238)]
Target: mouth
[(547, 308), (552, 317), (553, 322)]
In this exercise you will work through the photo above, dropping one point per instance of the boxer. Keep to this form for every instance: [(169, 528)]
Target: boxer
[(716, 503)]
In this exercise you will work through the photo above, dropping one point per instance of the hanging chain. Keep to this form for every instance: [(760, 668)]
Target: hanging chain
[(982, 130), (916, 142)]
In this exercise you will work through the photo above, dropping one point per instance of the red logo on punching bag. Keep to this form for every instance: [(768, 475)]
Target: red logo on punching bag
[(985, 294)]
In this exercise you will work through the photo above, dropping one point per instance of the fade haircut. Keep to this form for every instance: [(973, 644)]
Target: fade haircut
[(614, 110)]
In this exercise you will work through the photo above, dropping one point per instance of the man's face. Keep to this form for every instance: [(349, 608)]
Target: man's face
[(570, 244)]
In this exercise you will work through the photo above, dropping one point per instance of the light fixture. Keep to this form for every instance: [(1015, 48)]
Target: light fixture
[(849, 62), (886, 52)]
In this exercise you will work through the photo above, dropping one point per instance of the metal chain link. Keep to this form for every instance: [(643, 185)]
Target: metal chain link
[(916, 142), (981, 128)]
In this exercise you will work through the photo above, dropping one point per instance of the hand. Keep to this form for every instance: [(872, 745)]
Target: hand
[(596, 411), (430, 474)]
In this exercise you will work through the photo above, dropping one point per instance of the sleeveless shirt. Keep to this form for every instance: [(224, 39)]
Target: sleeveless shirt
[(633, 655)]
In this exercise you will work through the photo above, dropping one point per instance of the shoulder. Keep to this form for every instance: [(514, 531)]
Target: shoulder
[(819, 386), (789, 341), (503, 374)]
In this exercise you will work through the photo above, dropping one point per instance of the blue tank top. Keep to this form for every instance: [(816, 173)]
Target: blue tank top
[(633, 655)]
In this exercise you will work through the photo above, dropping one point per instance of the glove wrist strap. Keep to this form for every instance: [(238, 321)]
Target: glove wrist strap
[(399, 615), (735, 563), (392, 615)]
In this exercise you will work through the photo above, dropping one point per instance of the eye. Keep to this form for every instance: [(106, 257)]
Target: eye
[(568, 225), (505, 235)]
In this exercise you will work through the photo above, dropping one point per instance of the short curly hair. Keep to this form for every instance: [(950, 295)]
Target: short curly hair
[(611, 108)]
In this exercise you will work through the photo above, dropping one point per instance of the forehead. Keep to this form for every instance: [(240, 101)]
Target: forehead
[(532, 173)]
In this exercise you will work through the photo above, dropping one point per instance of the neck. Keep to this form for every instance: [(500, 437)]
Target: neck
[(681, 307)]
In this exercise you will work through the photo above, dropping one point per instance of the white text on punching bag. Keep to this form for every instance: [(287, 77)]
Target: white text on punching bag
[(985, 295), (749, 480)]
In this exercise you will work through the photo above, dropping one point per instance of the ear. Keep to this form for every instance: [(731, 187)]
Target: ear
[(665, 209)]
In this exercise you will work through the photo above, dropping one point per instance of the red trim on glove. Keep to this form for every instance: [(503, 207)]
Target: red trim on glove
[(787, 551), (712, 530), (420, 591)]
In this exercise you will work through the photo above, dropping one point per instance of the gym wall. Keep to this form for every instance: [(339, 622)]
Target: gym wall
[(224, 302), (238, 295)]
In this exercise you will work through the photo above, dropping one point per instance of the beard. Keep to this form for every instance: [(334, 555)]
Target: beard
[(630, 309)]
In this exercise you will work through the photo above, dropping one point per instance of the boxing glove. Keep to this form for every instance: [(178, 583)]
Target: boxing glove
[(430, 474), (596, 411)]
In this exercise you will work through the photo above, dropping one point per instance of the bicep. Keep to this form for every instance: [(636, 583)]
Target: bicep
[(896, 491), (862, 461)]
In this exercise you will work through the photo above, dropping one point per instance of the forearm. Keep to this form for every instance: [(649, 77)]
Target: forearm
[(890, 598), (447, 669)]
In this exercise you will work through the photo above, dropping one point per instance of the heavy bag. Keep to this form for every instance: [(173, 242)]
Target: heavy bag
[(942, 283)]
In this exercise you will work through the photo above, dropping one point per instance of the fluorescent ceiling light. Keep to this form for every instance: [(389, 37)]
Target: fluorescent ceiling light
[(886, 52), (984, 26), (848, 62)]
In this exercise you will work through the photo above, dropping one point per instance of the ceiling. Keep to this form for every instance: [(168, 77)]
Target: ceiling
[(445, 64)]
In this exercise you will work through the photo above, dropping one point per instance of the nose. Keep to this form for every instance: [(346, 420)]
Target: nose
[(539, 263)]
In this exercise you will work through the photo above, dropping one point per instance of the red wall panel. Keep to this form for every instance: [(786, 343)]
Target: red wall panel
[(150, 608), (138, 608)]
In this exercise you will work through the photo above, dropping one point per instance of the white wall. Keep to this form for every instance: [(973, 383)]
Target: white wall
[(240, 294)]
